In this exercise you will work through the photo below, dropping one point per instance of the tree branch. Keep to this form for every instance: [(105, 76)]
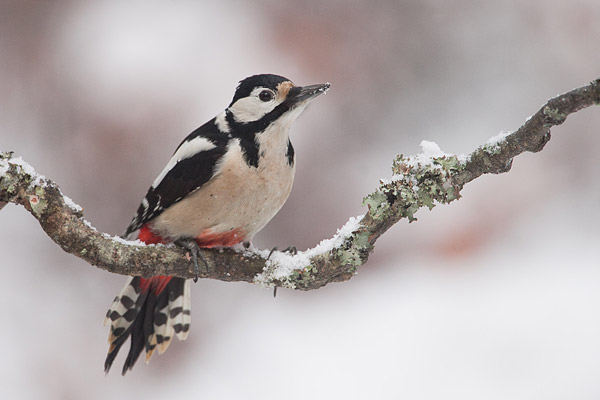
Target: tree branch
[(419, 181)]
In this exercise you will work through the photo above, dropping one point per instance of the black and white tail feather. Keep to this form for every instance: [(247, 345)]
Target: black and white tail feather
[(152, 320)]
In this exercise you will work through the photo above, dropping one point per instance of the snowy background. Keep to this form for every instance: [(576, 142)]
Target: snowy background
[(496, 296)]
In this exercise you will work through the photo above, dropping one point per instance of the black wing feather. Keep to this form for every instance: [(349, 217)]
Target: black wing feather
[(185, 177)]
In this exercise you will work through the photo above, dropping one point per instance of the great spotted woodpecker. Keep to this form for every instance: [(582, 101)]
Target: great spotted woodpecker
[(223, 184)]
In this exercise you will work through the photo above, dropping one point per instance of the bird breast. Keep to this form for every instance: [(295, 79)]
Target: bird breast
[(239, 197)]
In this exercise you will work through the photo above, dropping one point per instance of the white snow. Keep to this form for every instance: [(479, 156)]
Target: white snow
[(87, 223), (396, 178), (70, 203), (281, 265), (126, 242), (463, 158), (430, 151), (118, 239), (494, 140), (37, 179), (3, 166)]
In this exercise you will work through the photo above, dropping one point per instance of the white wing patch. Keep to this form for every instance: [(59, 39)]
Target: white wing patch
[(186, 150)]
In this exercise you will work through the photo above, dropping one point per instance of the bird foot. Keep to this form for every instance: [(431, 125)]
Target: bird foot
[(290, 249), (191, 245)]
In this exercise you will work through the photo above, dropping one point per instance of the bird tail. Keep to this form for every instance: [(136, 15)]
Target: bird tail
[(150, 311)]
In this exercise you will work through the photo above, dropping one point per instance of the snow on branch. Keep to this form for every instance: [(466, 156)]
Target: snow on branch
[(430, 178)]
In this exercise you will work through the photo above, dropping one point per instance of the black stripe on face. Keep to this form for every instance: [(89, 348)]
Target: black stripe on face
[(247, 136), (246, 131)]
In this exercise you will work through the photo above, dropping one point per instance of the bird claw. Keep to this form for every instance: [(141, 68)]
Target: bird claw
[(290, 249), (191, 245), (273, 250)]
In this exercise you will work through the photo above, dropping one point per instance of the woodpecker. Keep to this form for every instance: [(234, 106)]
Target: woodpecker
[(223, 184)]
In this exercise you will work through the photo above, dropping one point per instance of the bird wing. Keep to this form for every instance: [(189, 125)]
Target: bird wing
[(191, 166)]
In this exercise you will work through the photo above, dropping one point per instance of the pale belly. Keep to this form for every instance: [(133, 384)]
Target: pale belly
[(240, 198)]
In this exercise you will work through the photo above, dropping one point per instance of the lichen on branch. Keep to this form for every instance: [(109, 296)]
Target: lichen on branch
[(424, 180)]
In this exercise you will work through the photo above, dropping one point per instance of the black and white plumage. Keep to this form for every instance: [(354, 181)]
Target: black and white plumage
[(245, 124), (190, 167), (166, 314), (222, 185)]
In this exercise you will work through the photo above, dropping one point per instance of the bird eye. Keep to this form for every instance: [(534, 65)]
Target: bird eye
[(265, 95)]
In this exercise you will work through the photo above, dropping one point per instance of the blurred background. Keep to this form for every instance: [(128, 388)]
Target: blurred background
[(495, 296)]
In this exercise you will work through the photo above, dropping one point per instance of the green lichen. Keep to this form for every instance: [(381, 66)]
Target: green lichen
[(9, 182), (415, 185), (376, 203), (14, 175), (352, 252), (449, 164), (554, 114), (299, 278), (37, 202)]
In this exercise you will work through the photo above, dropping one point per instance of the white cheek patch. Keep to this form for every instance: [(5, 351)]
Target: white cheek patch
[(186, 150), (251, 108)]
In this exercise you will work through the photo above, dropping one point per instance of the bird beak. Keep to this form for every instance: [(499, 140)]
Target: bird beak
[(305, 93)]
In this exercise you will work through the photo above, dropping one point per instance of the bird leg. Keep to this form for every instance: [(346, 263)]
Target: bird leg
[(191, 245), (290, 249)]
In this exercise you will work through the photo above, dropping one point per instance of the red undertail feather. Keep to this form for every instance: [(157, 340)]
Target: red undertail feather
[(149, 237), (207, 238), (226, 239)]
